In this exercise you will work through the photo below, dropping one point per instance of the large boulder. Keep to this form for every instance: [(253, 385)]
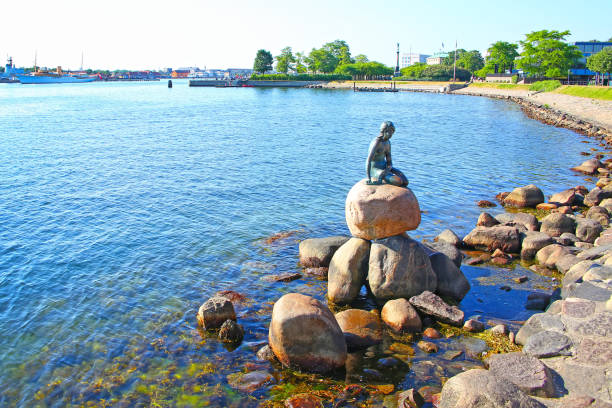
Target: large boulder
[(381, 211), (599, 214), (556, 224), (451, 281), (528, 373), (548, 344), (589, 166), (597, 195), (588, 230), (400, 316), (490, 238), (486, 220), (481, 388), (566, 197), (449, 237), (348, 270), (318, 252), (360, 328), (399, 267), (533, 241), (304, 334), (451, 251), (529, 221), (528, 196), (550, 254), (215, 311), (432, 305)]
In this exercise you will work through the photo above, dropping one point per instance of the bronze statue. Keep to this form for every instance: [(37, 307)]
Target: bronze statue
[(379, 167)]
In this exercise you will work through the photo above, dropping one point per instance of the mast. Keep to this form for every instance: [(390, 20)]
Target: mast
[(455, 63), (81, 60), (35, 57)]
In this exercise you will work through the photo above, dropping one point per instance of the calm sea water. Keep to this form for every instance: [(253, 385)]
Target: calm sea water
[(123, 206)]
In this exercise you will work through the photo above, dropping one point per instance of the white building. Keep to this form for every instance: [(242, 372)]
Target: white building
[(409, 59), (437, 58)]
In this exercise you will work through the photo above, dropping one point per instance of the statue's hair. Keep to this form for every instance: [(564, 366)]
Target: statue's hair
[(386, 125)]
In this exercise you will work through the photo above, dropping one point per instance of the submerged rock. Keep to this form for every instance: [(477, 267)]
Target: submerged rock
[(304, 334), (528, 196), (231, 332), (410, 399), (215, 311), (348, 270), (399, 267), (381, 211), (318, 252), (432, 305), (360, 328), (400, 316)]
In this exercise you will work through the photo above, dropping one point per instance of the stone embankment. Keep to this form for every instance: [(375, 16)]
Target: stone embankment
[(590, 117)]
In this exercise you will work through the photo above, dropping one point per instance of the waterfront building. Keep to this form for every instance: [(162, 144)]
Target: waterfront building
[(180, 73), (580, 72), (412, 58), (240, 72), (437, 58)]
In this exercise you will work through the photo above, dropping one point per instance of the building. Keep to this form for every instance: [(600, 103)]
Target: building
[(437, 58), (580, 72), (412, 58), (240, 72)]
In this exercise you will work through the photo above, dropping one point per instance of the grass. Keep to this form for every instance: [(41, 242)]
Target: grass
[(499, 86), (545, 86), (594, 92)]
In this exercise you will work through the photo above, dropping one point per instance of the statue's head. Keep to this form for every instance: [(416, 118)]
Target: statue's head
[(387, 129)]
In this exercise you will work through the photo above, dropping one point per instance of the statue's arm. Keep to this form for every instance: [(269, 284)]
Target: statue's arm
[(370, 157), (388, 157)]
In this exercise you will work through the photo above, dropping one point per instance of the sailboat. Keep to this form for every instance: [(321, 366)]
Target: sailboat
[(57, 77)]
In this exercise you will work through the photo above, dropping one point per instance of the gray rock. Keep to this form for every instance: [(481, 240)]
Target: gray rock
[(594, 253), (452, 252), (481, 388), (500, 329), (583, 245), (432, 305), (567, 239), (598, 324), (577, 308), (451, 281), (533, 241), (607, 204), (231, 332), (566, 197), (498, 237), (348, 270), (486, 220), (528, 196), (549, 255), (537, 301), (215, 311), (529, 221), (538, 323), (586, 290), (399, 267), (318, 252), (599, 214), (577, 271), (448, 237), (598, 273), (597, 195), (474, 326), (588, 230), (526, 372), (548, 344), (565, 262), (266, 354), (556, 224)]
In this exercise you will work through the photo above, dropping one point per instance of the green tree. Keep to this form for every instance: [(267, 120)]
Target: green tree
[(364, 70), (545, 53), (263, 61), (300, 61), (502, 54), (470, 60), (414, 71), (601, 62), (321, 60), (361, 58), (449, 60), (340, 50), (284, 60)]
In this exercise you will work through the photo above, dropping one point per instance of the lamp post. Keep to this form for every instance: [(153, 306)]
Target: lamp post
[(568, 72)]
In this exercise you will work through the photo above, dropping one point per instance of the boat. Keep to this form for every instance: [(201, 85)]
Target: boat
[(57, 77), (10, 72)]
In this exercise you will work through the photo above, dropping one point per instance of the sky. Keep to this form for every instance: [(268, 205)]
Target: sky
[(135, 34)]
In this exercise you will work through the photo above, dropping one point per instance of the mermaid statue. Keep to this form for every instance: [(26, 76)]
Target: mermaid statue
[(379, 166)]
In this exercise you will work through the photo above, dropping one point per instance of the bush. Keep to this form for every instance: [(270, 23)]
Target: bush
[(514, 79), (300, 77), (545, 86)]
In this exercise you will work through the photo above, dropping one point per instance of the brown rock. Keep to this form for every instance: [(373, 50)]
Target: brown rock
[(432, 305), (502, 196), (563, 210), (251, 381), (588, 167), (400, 316), (527, 196), (410, 399), (566, 197), (215, 311), (546, 206), (431, 333), (582, 190), (360, 328), (486, 220), (486, 204), (283, 277), (528, 373), (381, 211), (550, 254), (347, 270), (474, 326), (500, 236), (304, 334), (231, 332), (427, 346), (556, 224), (303, 401), (500, 260)]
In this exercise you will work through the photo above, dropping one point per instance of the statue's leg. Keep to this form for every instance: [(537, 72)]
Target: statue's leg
[(396, 178)]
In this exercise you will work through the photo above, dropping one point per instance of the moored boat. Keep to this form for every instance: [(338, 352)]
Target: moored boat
[(57, 77)]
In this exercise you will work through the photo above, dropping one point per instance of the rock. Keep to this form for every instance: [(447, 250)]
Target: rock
[(427, 346), (251, 381), (566, 209), (528, 373), (556, 224), (549, 255), (588, 230), (304, 334), (586, 290), (486, 220), (566, 197), (565, 262), (588, 167), (450, 251), (537, 301), (546, 206), (511, 337), (400, 316), (528, 196), (521, 279), (502, 196), (231, 295), (599, 214), (381, 211), (538, 323), (451, 281), (607, 204), (348, 270), (533, 241), (499, 329), (318, 252), (431, 333), (231, 332), (488, 239), (303, 401), (215, 311), (595, 252), (481, 388), (582, 190), (432, 305), (399, 267), (597, 195), (478, 260), (266, 354), (283, 277), (500, 260), (320, 272), (583, 245), (548, 344), (410, 399), (486, 204), (498, 253), (474, 326), (567, 239), (598, 274), (529, 221), (448, 237), (577, 271), (360, 328)]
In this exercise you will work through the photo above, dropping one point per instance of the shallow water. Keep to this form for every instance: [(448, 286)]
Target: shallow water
[(123, 206)]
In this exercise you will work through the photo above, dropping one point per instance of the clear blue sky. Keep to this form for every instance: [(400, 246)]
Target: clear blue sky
[(137, 34)]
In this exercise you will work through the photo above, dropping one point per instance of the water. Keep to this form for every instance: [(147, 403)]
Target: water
[(123, 206)]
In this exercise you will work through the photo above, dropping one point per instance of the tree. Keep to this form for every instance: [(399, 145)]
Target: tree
[(601, 62), (321, 60), (300, 60), (364, 70), (361, 58), (470, 60), (545, 53), (284, 60), (263, 61), (502, 54), (340, 50), (449, 60), (414, 71)]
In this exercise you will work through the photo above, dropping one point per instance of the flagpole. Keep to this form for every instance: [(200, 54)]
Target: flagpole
[(455, 63)]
